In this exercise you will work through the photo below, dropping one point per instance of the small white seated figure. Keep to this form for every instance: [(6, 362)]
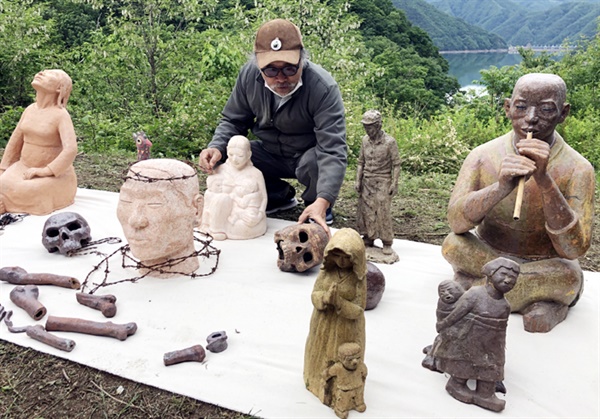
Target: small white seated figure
[(235, 200), (159, 206)]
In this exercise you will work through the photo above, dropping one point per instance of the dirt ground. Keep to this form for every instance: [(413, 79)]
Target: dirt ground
[(33, 384)]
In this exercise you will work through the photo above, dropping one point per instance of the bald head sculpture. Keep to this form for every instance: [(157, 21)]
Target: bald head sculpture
[(159, 206)]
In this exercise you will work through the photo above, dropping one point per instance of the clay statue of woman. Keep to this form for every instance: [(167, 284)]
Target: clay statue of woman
[(36, 171), (339, 298), (472, 338)]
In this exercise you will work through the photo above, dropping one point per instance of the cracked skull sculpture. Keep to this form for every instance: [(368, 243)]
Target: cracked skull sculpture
[(300, 247), (65, 232)]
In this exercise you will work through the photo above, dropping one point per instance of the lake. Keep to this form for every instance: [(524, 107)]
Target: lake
[(466, 66)]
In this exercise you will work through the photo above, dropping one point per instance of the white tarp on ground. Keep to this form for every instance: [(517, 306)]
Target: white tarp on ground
[(266, 315)]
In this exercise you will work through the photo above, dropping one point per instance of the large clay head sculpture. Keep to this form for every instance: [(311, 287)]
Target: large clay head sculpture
[(159, 206), (36, 171)]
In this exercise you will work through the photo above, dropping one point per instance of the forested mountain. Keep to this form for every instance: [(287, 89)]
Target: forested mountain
[(448, 32), (537, 5), (522, 22)]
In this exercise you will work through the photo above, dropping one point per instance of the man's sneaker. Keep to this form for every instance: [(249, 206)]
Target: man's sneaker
[(282, 205), (329, 217)]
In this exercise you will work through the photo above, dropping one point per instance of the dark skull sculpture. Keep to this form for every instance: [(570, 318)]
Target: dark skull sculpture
[(65, 232), (300, 247)]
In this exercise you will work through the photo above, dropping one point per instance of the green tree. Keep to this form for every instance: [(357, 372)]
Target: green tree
[(25, 37)]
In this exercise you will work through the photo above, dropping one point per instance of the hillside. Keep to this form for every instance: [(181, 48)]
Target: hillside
[(447, 32), (522, 22)]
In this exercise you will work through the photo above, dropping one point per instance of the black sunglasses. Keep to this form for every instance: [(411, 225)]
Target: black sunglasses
[(288, 70)]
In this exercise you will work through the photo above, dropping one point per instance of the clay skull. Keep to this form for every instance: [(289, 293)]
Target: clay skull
[(300, 247), (65, 232)]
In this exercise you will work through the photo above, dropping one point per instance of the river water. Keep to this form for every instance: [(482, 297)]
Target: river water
[(466, 66)]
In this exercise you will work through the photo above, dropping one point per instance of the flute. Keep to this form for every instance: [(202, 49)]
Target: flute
[(520, 191)]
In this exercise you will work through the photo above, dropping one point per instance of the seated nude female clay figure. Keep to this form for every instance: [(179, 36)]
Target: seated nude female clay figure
[(36, 171), (159, 206)]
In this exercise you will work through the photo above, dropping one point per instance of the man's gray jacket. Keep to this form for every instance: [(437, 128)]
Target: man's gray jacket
[(312, 117)]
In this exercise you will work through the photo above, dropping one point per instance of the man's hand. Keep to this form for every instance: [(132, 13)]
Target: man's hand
[(209, 157), (316, 211)]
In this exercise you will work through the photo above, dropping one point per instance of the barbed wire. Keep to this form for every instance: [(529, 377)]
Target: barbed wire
[(9, 218), (90, 248), (138, 177), (127, 261)]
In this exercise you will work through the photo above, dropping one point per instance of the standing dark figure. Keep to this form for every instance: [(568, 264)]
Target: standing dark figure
[(377, 176), (472, 338)]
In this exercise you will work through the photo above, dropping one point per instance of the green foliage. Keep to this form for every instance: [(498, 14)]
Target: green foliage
[(581, 133), (430, 146), (25, 37), (8, 121), (580, 68)]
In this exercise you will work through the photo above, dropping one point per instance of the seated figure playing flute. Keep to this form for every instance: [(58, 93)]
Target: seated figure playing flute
[(554, 226)]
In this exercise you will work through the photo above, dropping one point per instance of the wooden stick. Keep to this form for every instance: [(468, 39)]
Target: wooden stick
[(520, 191)]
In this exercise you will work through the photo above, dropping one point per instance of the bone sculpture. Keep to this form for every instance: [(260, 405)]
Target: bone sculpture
[(194, 353), (38, 333), (104, 303), (19, 276), (108, 329), (26, 297)]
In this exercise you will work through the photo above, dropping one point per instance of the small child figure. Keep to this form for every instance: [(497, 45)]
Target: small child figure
[(348, 375), (449, 292)]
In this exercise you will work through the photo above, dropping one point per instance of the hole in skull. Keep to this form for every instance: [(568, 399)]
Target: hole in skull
[(84, 242), (74, 225), (303, 236), (280, 250), (53, 249), (308, 257), (52, 232), (64, 236)]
